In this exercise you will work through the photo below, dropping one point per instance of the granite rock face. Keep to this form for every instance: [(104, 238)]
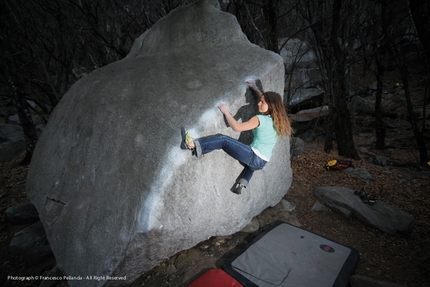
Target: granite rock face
[(113, 189)]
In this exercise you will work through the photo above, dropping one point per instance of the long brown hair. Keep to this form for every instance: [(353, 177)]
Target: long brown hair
[(277, 111)]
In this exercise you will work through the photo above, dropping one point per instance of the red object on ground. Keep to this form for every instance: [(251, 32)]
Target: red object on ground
[(215, 278)]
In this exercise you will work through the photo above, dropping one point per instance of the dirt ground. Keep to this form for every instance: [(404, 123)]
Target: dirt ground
[(403, 260)]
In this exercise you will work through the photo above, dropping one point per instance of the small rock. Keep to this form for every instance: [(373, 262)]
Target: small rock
[(297, 146), (22, 214), (319, 207), (287, 206), (171, 269), (378, 160), (204, 246), (254, 225), (220, 240), (359, 171), (32, 243), (11, 149), (374, 158)]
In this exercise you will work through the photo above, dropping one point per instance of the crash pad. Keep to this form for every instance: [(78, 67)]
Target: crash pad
[(286, 255), (215, 278)]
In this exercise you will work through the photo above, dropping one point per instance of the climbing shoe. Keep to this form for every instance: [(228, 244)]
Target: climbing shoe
[(366, 198), (187, 142), (237, 188)]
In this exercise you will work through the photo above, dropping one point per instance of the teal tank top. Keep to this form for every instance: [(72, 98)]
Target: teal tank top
[(265, 137)]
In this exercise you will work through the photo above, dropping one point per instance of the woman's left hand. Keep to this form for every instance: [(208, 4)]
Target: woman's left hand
[(223, 108)]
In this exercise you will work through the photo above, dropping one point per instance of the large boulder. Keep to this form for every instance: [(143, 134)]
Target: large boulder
[(114, 191)]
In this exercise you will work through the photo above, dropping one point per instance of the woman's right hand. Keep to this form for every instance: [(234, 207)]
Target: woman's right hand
[(252, 85), (223, 108)]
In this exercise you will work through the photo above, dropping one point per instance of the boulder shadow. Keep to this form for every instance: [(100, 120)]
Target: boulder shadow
[(246, 112)]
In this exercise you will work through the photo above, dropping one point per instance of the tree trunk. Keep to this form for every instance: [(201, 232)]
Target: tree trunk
[(402, 62), (344, 135), (343, 125), (270, 16), (419, 136), (27, 125), (328, 143), (420, 10), (380, 127)]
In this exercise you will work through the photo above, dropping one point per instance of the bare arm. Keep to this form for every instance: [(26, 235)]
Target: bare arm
[(235, 125)]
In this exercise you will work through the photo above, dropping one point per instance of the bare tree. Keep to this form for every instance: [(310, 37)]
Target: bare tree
[(48, 45), (380, 48), (262, 20), (402, 40), (420, 10), (373, 37), (331, 33)]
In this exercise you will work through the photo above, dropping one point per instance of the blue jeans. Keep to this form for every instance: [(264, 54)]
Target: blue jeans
[(242, 152)]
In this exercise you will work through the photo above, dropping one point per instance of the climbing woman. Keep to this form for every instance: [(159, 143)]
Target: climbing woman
[(267, 126)]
